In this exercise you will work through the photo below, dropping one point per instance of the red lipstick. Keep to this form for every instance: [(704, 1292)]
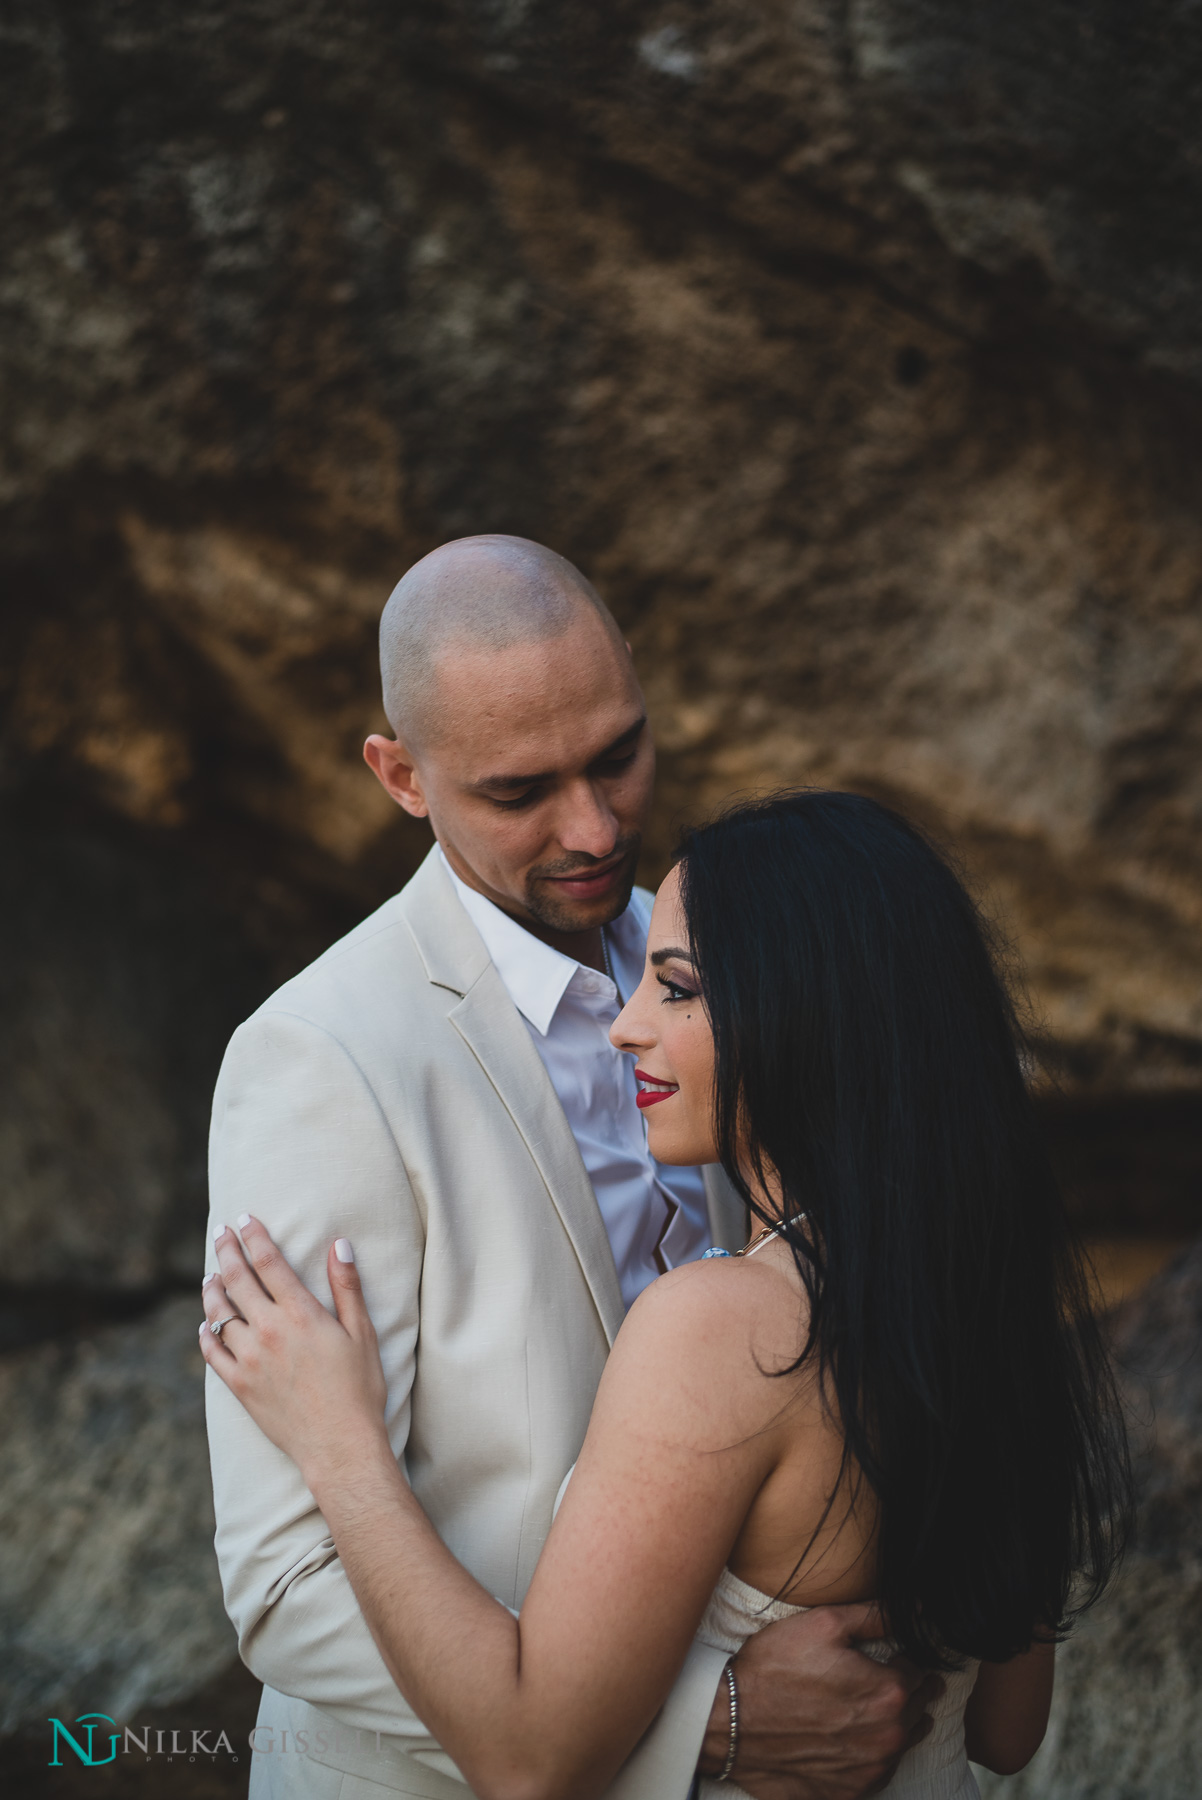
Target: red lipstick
[(652, 1089)]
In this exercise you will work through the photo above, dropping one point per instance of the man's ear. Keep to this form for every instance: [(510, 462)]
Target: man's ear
[(393, 767)]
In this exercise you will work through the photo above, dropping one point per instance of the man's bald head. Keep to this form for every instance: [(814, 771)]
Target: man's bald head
[(488, 592), (521, 733)]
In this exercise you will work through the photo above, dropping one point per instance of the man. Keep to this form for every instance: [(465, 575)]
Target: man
[(440, 1087)]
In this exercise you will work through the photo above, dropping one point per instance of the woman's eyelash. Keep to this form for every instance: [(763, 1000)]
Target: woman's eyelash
[(675, 991)]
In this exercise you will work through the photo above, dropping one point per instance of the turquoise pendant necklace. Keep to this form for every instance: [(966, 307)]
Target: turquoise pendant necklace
[(759, 1240)]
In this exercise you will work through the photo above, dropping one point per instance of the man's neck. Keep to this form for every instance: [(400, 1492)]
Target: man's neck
[(584, 947)]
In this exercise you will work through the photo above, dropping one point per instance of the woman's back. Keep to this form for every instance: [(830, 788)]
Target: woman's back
[(810, 1533)]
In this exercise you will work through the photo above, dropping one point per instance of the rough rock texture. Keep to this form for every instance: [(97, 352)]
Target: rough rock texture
[(109, 1596), (853, 349), (1125, 1720), (853, 346)]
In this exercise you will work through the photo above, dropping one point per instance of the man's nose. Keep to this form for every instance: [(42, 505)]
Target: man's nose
[(586, 823)]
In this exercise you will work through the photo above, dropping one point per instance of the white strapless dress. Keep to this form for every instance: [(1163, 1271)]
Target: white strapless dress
[(936, 1769)]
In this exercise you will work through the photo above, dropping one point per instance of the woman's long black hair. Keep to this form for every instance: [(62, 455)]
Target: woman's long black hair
[(869, 1056)]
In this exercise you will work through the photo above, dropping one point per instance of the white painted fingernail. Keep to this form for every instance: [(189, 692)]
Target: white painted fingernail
[(343, 1250), (200, 1330), (207, 1279), (219, 1231), (243, 1221)]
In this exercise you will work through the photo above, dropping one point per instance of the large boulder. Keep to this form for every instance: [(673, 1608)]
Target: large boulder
[(852, 349), (1125, 1719), (109, 1594)]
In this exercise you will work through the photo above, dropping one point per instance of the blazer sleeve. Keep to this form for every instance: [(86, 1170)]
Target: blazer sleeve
[(299, 1140)]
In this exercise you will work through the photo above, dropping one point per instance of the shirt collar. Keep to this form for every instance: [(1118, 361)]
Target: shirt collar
[(536, 977)]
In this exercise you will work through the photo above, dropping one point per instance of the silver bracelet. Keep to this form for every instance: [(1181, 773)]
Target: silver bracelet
[(729, 1672)]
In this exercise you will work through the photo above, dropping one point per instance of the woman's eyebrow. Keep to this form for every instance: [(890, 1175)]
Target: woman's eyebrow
[(659, 957)]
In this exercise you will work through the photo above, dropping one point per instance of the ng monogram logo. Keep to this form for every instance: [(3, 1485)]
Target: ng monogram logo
[(88, 1756), (150, 1743)]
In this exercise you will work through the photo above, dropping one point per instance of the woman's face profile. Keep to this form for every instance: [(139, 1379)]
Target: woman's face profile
[(665, 1027)]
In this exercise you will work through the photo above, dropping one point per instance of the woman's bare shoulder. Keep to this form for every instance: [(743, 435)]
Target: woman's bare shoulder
[(726, 1291), (707, 1339)]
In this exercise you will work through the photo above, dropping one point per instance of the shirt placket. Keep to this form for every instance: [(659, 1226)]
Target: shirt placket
[(605, 1014)]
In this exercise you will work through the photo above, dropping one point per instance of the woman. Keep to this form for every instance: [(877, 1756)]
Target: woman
[(896, 1391)]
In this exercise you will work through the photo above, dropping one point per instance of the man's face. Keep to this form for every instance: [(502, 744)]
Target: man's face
[(539, 774)]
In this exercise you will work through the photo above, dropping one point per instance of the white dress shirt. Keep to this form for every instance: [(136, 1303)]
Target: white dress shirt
[(655, 1215)]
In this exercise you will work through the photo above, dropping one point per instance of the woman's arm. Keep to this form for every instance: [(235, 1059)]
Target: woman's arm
[(551, 1704), (1007, 1712)]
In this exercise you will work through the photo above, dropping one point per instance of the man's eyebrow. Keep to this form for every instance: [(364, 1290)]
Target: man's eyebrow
[(511, 781), (660, 957), (622, 739)]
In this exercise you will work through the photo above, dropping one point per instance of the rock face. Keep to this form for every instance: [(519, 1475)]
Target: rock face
[(1125, 1721), (854, 347), (112, 1027), (854, 350), (109, 1596)]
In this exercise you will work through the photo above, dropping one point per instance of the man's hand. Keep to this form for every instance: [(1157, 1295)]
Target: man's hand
[(819, 1720)]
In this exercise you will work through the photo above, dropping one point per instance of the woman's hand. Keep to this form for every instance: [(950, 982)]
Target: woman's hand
[(311, 1381)]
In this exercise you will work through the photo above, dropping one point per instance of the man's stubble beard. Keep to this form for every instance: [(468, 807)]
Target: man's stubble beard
[(567, 918)]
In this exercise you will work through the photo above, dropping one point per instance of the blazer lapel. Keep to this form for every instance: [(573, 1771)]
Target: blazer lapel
[(491, 1026), (489, 1023)]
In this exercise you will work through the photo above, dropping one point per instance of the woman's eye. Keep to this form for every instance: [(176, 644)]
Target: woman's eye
[(673, 990)]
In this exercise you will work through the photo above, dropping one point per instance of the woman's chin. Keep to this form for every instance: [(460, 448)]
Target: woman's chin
[(678, 1149)]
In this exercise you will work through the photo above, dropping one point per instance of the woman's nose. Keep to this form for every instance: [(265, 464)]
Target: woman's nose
[(625, 1032)]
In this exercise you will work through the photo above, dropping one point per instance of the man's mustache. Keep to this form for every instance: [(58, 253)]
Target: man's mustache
[(580, 864)]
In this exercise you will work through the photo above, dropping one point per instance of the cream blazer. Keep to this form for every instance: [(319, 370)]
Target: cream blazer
[(390, 1093)]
